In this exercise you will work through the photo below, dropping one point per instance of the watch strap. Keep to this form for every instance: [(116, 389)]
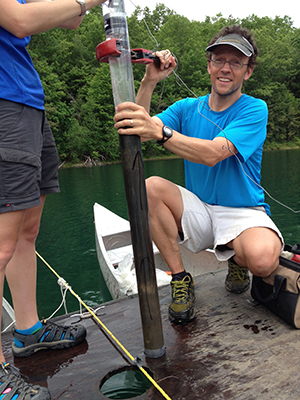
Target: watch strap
[(83, 7), (164, 138)]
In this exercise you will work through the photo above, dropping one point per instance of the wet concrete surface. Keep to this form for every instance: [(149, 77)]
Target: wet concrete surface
[(234, 349)]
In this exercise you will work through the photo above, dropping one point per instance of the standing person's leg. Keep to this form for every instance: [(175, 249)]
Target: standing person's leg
[(18, 192), (31, 334), (28, 171), (10, 225), (21, 269)]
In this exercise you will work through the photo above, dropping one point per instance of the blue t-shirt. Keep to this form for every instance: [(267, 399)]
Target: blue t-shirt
[(232, 182), (19, 81)]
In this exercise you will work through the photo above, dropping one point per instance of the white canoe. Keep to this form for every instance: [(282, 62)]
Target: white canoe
[(115, 255), (8, 316)]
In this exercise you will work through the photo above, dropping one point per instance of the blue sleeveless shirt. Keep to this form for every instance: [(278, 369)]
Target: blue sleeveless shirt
[(19, 81)]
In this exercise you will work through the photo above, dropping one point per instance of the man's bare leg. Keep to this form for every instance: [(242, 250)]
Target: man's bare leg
[(165, 210)]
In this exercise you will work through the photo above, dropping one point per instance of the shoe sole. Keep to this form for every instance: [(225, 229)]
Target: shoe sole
[(182, 321), (43, 394), (237, 291)]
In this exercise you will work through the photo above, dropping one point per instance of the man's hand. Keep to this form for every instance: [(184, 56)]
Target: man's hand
[(167, 65), (132, 119), (153, 75)]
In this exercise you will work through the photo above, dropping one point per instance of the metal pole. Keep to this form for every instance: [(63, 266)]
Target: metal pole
[(133, 170)]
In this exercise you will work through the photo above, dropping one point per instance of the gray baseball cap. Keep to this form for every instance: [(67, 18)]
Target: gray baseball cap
[(235, 40)]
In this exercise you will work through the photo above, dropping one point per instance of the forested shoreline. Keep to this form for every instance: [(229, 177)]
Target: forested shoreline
[(79, 101)]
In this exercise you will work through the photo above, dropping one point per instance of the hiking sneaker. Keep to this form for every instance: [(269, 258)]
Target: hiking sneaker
[(12, 386), (50, 336), (237, 279), (181, 309)]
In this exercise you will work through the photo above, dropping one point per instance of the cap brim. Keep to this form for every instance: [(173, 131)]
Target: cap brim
[(241, 48)]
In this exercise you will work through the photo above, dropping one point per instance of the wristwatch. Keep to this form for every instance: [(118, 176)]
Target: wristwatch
[(167, 134), (83, 7)]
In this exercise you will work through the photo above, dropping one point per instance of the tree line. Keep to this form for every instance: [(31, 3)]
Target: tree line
[(79, 101)]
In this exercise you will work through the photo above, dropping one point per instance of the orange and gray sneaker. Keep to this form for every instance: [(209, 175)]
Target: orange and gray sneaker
[(238, 279), (181, 308)]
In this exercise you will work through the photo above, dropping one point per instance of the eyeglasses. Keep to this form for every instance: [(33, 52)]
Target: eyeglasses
[(219, 63)]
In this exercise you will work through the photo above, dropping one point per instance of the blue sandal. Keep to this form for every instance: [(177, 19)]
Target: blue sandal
[(50, 336), (13, 387)]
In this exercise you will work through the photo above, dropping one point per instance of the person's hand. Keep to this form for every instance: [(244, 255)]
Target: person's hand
[(132, 119), (167, 65)]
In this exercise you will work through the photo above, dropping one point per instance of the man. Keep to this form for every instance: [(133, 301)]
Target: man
[(220, 136)]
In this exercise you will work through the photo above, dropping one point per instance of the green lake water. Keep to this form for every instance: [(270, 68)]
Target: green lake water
[(67, 238)]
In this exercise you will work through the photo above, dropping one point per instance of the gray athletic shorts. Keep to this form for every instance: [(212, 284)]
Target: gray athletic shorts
[(28, 157), (205, 226)]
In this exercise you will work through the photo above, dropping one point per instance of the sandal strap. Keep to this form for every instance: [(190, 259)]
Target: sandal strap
[(10, 379), (50, 332)]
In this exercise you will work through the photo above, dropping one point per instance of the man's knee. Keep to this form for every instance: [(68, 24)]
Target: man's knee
[(152, 188), (158, 188), (154, 184), (164, 197), (263, 262), (258, 249)]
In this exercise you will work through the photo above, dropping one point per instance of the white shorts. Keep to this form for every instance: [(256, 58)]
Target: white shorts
[(205, 226)]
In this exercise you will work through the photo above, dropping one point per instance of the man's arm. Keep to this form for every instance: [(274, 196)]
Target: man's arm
[(208, 152), (153, 75), (201, 151), (144, 95)]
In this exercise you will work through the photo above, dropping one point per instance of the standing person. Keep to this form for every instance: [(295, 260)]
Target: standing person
[(220, 136), (28, 171)]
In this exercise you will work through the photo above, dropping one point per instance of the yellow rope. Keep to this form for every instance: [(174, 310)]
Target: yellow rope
[(107, 330)]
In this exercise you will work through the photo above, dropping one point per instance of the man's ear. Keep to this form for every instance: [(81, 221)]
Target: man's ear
[(249, 71), (208, 66)]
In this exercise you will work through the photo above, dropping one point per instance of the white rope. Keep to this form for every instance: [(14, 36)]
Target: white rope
[(87, 314), (63, 285)]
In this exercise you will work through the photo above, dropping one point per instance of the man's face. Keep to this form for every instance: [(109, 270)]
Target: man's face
[(227, 80)]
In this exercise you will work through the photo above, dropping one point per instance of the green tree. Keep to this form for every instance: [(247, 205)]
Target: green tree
[(78, 91)]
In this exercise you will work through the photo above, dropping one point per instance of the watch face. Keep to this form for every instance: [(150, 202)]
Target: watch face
[(167, 131)]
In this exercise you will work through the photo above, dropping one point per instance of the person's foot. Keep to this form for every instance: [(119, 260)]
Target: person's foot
[(237, 279), (181, 309), (50, 336), (12, 386)]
